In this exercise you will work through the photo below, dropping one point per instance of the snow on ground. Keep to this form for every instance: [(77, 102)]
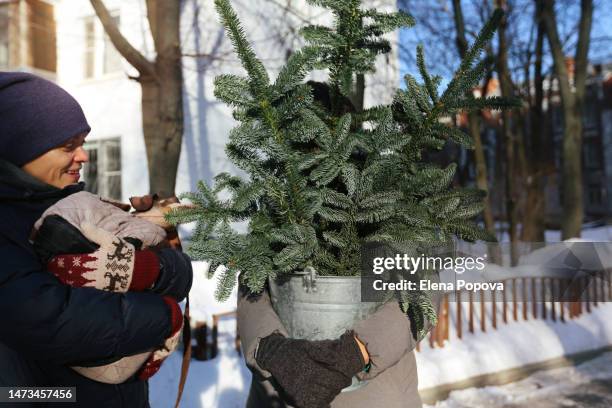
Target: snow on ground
[(222, 382), (586, 385), (512, 345)]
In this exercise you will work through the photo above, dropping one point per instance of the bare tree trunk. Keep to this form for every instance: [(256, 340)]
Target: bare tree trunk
[(535, 205), (161, 82), (572, 112), (474, 126), (508, 136)]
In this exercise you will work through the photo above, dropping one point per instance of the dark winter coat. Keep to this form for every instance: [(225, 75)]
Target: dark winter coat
[(46, 326), (392, 381)]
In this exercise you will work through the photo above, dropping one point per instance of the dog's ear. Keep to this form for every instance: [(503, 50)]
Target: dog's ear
[(143, 203)]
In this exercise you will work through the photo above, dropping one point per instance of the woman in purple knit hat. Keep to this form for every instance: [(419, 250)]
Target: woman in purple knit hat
[(46, 326)]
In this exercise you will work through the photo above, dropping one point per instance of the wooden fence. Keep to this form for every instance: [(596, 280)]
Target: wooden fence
[(207, 340), (525, 298), (461, 312)]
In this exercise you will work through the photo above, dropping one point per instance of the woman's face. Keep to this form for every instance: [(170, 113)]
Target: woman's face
[(60, 167)]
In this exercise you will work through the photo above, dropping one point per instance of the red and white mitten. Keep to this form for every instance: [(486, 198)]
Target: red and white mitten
[(116, 266), (153, 364)]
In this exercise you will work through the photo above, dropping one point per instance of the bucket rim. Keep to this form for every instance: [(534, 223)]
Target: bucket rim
[(301, 274)]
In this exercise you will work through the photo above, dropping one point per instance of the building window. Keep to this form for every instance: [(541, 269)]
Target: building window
[(4, 35), (594, 193), (557, 119), (592, 155), (102, 173), (89, 58), (112, 59), (42, 39), (590, 115), (100, 56)]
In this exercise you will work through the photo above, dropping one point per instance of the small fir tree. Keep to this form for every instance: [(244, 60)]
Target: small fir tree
[(324, 177)]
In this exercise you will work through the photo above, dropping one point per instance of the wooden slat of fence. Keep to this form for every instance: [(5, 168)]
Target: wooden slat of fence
[(459, 313), (543, 290), (593, 282), (588, 295), (560, 298), (579, 302), (576, 297), (604, 283), (214, 349), (525, 303), (534, 296), (483, 313), (505, 303), (443, 323), (609, 280), (200, 351), (609, 285), (601, 286), (551, 284), (514, 302), (493, 311), (471, 312)]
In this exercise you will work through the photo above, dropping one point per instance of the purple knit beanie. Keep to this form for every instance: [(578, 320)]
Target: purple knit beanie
[(36, 116)]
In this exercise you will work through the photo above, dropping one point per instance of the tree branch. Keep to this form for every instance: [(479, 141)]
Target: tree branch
[(153, 25), (462, 44), (131, 54), (582, 49), (556, 49)]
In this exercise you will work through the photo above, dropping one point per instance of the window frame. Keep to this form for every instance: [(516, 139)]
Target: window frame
[(103, 174)]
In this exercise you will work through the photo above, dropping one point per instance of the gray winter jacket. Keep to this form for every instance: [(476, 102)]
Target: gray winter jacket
[(391, 382)]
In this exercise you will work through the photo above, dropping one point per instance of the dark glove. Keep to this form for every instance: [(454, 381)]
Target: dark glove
[(57, 236), (310, 373), (175, 274)]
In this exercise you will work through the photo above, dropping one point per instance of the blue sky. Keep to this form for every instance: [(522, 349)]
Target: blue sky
[(442, 56)]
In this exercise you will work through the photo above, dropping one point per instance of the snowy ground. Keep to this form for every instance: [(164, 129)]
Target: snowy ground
[(219, 383), (513, 345), (586, 385)]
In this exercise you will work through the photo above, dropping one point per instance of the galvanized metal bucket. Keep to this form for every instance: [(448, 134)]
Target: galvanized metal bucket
[(316, 307)]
